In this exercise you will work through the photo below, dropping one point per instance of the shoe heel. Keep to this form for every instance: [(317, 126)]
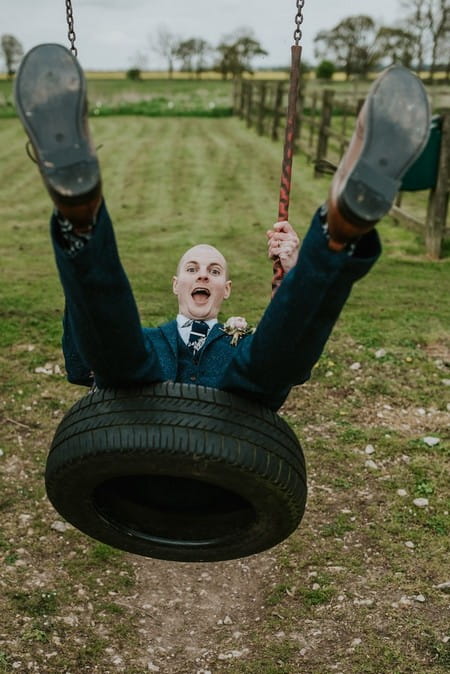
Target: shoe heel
[(368, 194)]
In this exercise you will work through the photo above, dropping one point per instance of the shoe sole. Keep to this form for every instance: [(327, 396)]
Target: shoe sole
[(50, 98), (397, 127)]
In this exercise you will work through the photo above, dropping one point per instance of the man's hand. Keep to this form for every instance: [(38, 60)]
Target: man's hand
[(283, 243)]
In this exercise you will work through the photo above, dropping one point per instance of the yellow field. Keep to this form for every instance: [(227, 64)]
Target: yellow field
[(211, 75), (163, 75)]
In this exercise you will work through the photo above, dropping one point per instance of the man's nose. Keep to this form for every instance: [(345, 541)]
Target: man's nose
[(203, 274)]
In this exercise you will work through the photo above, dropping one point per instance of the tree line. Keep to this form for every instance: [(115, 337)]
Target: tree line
[(356, 46), (420, 41), (232, 57)]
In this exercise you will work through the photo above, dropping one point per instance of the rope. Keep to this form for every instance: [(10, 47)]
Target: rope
[(288, 153), (289, 139)]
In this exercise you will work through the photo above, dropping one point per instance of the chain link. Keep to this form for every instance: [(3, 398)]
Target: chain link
[(71, 34), (298, 21)]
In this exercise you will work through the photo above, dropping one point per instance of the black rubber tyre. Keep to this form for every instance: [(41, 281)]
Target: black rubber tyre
[(177, 472)]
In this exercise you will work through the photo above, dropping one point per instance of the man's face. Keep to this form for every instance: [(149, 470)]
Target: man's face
[(201, 284)]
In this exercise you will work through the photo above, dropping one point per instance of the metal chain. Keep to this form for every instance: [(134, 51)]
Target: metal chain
[(298, 21), (71, 34)]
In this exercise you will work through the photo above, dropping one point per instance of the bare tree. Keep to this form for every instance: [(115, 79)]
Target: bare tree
[(429, 22), (443, 58), (166, 44), (184, 53), (140, 60), (12, 52), (203, 51), (437, 13), (352, 43), (414, 22)]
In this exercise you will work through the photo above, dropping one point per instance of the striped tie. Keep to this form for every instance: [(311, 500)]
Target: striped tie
[(197, 338)]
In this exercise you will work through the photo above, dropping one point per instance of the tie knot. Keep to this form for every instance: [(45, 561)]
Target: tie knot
[(199, 328)]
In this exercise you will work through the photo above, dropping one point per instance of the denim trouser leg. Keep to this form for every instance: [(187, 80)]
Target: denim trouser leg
[(102, 321), (298, 321)]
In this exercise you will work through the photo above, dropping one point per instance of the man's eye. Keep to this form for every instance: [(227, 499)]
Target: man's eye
[(216, 272), (190, 269)]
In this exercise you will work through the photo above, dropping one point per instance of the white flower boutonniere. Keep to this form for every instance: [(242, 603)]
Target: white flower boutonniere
[(237, 327)]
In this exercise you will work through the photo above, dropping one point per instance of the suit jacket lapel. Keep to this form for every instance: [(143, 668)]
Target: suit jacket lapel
[(215, 332), (170, 332)]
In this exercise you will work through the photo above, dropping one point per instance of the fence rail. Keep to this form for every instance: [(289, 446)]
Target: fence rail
[(325, 123)]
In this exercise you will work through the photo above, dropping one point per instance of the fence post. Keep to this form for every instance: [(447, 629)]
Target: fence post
[(325, 123), (241, 105), (438, 200), (261, 107), (344, 141), (277, 109), (249, 104), (237, 97), (242, 99), (299, 120), (312, 121)]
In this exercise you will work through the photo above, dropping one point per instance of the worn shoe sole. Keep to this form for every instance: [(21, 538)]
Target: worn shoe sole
[(50, 98), (397, 126)]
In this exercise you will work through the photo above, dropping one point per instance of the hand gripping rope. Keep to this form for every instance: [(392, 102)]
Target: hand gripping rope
[(291, 124)]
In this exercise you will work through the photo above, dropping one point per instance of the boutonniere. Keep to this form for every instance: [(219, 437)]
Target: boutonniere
[(237, 327)]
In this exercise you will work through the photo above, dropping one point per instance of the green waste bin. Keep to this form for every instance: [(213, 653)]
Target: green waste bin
[(422, 175)]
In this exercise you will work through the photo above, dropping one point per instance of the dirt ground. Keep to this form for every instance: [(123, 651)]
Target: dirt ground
[(200, 614)]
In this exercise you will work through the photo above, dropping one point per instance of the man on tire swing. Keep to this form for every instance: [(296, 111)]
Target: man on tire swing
[(102, 330)]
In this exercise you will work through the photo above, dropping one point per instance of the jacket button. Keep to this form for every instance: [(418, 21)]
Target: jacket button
[(193, 378)]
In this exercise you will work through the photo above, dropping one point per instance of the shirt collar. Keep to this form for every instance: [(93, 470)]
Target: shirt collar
[(185, 323)]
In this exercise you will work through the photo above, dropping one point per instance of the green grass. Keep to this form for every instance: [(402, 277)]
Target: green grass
[(157, 98), (170, 183)]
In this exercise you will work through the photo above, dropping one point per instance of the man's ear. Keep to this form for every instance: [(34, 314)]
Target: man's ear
[(227, 292), (175, 285)]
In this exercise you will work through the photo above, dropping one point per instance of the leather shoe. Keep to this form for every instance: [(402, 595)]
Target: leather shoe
[(391, 131), (50, 98)]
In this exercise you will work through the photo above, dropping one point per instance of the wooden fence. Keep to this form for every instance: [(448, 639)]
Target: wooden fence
[(325, 123)]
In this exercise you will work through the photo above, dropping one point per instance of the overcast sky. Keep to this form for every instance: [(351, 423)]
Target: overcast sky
[(111, 32)]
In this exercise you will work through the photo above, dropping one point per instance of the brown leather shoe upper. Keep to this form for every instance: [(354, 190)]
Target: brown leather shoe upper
[(82, 216), (391, 131), (340, 228)]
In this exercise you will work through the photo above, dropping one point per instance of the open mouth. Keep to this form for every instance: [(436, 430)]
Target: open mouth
[(200, 294)]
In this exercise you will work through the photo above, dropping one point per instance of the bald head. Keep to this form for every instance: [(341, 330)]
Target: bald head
[(201, 283), (202, 250)]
